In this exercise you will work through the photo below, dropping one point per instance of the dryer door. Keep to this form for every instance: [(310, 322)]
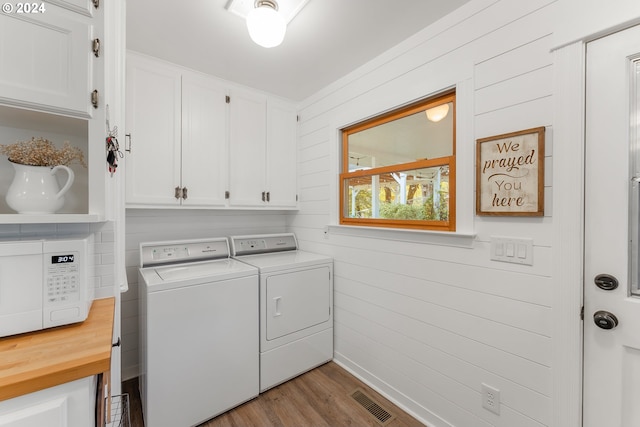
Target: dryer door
[(296, 300)]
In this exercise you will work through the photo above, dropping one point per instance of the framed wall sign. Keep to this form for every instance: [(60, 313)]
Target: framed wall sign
[(510, 174)]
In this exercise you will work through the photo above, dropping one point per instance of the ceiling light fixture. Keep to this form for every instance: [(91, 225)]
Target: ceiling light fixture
[(265, 24), (438, 113)]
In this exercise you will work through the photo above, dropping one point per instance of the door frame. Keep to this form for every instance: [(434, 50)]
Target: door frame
[(568, 228), (568, 149)]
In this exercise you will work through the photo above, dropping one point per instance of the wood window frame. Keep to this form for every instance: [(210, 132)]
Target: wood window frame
[(450, 161)]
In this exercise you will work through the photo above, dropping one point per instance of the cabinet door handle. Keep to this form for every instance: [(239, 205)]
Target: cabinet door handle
[(264, 196), (96, 3), (177, 193), (268, 196), (184, 193)]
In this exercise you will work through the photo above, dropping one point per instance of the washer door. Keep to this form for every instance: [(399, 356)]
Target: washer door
[(296, 300)]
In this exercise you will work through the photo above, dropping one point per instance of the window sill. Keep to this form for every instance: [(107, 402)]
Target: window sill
[(446, 238)]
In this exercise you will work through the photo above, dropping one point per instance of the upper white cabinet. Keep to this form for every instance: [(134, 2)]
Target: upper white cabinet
[(281, 159), (197, 141), (53, 61), (262, 144), (47, 59), (177, 126), (247, 148), (204, 148), (153, 117)]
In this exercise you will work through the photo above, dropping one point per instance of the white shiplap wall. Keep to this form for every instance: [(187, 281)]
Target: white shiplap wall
[(149, 225), (427, 319)]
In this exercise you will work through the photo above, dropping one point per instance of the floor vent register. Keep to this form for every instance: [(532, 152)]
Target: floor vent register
[(374, 408)]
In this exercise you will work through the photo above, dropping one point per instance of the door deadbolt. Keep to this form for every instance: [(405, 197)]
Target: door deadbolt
[(606, 282), (605, 320)]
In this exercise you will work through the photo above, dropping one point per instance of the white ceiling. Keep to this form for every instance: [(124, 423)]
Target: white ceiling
[(326, 40)]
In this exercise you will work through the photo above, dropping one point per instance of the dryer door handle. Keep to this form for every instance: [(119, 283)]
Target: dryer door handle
[(276, 311)]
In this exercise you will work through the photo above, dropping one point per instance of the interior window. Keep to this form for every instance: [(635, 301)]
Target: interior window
[(398, 169)]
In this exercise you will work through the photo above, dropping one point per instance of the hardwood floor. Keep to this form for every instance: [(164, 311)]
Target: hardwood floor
[(319, 398)]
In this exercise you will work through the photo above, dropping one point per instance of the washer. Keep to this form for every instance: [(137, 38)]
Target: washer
[(296, 305), (198, 331)]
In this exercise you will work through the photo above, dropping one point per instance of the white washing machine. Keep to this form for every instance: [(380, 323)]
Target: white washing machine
[(296, 305), (198, 331)]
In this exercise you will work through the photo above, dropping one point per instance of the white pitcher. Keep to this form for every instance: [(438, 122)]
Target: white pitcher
[(35, 190)]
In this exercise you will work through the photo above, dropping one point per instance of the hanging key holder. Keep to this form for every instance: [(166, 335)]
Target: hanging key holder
[(113, 148), (113, 153)]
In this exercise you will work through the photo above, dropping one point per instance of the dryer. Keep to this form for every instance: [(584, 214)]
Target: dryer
[(296, 305), (198, 331)]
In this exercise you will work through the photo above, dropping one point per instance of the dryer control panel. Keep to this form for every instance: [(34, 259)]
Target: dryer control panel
[(264, 243)]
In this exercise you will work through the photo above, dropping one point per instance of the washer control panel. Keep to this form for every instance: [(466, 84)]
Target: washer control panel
[(264, 243), (157, 253)]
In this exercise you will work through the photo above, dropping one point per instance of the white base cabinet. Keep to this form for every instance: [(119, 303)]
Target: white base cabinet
[(67, 405), (200, 142)]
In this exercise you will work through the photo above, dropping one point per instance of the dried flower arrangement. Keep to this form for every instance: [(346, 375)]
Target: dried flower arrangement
[(42, 152)]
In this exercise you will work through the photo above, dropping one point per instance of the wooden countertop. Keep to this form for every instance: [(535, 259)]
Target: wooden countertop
[(42, 359)]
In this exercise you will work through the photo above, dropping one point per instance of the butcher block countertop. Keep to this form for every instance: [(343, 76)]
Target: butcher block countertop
[(42, 359)]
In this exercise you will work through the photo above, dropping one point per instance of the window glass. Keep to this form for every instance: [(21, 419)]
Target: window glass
[(420, 194), (399, 168), (403, 140)]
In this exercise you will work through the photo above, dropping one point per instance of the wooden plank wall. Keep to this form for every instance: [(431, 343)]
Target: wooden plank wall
[(427, 320)]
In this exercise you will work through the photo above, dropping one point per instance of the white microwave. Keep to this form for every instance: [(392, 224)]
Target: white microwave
[(43, 283)]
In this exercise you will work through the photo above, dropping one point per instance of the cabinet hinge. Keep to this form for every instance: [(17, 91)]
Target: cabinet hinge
[(94, 98), (227, 99), (95, 48), (582, 313), (226, 194)]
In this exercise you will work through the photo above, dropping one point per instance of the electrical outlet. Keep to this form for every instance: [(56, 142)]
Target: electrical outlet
[(491, 398)]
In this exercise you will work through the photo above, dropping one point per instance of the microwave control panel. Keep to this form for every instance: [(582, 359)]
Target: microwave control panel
[(62, 278)]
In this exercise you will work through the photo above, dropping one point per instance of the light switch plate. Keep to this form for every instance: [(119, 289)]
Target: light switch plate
[(513, 250)]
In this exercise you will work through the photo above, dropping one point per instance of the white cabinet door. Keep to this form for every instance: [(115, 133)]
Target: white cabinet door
[(154, 121), (67, 405), (84, 7), (204, 145), (247, 144), (50, 60), (281, 154)]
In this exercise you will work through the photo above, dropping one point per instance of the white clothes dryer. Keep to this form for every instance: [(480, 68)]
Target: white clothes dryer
[(198, 331), (296, 305)]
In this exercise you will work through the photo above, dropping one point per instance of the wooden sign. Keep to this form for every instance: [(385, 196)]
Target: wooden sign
[(510, 174)]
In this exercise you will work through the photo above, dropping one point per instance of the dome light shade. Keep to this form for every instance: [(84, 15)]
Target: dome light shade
[(438, 113), (265, 24)]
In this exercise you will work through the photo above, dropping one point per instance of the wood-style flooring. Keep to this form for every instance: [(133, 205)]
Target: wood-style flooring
[(318, 398)]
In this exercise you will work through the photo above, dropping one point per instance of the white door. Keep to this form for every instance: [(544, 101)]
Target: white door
[(204, 141), (247, 145), (612, 356), (281, 154), (154, 123), (51, 62)]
